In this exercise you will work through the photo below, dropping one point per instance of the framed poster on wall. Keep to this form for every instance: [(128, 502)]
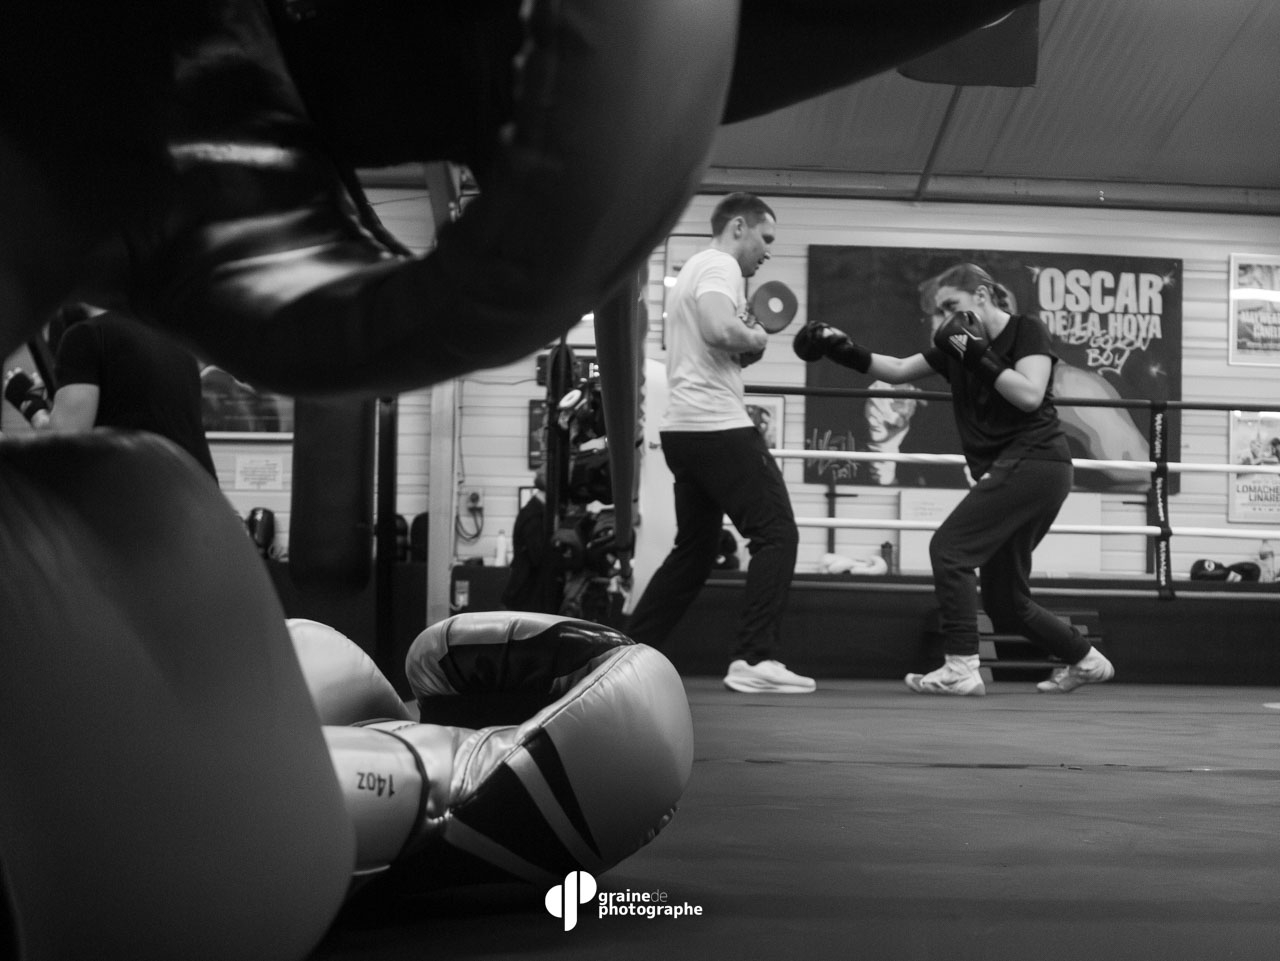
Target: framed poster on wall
[(537, 433), (1115, 323), (1254, 497), (1254, 311), (767, 413)]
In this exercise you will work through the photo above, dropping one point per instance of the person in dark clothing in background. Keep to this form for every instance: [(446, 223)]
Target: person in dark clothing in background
[(532, 584), (112, 371)]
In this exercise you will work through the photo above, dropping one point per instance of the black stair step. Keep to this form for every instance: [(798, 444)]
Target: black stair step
[(1085, 621), (1009, 645), (1024, 665), (992, 645), (1085, 625)]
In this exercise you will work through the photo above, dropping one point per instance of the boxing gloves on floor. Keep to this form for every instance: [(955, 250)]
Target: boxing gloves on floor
[(816, 341), (962, 336), (235, 777), (512, 769)]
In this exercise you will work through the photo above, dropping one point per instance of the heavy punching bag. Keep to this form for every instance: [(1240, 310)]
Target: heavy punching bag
[(331, 503), (621, 324)]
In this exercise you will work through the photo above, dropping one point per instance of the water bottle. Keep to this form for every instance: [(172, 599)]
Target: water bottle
[(500, 550), (1266, 562), (886, 551)]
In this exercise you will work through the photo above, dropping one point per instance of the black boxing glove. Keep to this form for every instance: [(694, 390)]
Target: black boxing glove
[(963, 337), (822, 340), (21, 391)]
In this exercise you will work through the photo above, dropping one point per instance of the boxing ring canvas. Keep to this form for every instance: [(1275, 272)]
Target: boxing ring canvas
[(1116, 324)]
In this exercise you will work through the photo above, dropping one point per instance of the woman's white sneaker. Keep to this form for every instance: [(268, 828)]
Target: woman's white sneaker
[(958, 675), (1093, 668)]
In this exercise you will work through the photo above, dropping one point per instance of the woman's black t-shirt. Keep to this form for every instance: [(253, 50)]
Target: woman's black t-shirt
[(990, 427)]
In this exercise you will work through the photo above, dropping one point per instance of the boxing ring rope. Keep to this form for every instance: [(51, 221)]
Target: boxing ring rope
[(1158, 528), (1149, 529)]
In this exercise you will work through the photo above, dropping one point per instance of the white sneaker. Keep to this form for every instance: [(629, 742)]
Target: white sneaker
[(767, 677), (1093, 668), (958, 675)]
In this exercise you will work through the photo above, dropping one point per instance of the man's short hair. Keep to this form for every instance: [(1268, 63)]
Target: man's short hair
[(740, 204)]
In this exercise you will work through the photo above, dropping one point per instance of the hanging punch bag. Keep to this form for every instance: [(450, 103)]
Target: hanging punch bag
[(331, 504)]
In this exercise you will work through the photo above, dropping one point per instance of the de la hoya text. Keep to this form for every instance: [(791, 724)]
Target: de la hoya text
[(1077, 305)]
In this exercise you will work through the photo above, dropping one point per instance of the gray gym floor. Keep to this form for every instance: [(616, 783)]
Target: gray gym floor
[(865, 822)]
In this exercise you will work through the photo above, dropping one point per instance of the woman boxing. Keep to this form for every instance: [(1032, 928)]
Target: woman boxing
[(1000, 367)]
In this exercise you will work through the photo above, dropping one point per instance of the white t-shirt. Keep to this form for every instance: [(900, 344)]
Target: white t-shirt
[(704, 382)]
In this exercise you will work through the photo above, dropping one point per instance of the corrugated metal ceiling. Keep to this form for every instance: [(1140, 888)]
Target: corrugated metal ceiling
[(1165, 104)]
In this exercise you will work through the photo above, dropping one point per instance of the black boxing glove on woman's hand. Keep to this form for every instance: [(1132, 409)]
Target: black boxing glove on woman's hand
[(963, 336), (822, 340), (21, 391)]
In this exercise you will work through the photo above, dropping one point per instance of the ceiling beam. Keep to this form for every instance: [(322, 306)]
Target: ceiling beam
[(939, 137), (949, 188), (994, 190)]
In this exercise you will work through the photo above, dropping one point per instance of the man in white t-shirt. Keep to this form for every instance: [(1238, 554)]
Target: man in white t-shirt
[(719, 460)]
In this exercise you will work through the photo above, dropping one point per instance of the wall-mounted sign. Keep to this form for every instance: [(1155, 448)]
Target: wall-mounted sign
[(1116, 326), (1254, 304)]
